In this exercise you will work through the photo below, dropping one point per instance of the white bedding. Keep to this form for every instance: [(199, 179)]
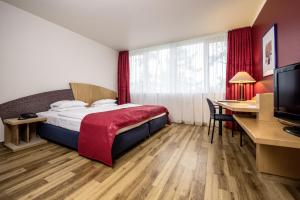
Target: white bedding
[(72, 119), (81, 113)]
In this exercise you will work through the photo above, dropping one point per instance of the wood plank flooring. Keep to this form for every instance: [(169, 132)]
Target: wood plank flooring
[(178, 162)]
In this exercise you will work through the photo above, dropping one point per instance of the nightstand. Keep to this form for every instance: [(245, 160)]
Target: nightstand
[(21, 134)]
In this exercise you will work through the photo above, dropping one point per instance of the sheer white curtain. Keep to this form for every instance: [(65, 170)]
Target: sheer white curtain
[(180, 76)]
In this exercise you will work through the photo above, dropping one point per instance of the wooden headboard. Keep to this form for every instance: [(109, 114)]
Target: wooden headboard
[(41, 102), (90, 93)]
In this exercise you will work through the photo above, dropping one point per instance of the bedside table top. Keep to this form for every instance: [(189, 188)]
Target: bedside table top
[(16, 121)]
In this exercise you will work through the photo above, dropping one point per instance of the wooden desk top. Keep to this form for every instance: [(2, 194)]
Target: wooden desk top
[(267, 132), (239, 106), (16, 121)]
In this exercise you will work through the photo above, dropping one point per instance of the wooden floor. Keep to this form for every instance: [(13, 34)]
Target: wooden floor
[(176, 163)]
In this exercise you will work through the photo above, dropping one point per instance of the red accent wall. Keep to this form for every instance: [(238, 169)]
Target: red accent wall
[(286, 14)]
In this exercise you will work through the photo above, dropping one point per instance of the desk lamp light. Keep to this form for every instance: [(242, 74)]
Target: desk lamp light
[(242, 78)]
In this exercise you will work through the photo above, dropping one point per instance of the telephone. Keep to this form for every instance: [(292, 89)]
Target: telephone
[(27, 116)]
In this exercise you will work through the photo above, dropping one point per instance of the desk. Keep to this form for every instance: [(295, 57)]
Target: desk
[(277, 152), (236, 106)]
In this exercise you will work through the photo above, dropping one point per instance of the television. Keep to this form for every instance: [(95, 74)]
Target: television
[(287, 97)]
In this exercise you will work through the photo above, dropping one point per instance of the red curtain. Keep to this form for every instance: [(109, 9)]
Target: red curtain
[(239, 58), (123, 78)]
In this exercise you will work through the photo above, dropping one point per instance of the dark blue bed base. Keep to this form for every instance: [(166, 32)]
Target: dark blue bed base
[(123, 141)]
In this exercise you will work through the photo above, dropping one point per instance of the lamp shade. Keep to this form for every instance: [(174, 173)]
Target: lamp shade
[(242, 77)]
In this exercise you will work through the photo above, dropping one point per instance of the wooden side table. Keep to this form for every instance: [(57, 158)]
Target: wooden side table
[(21, 134)]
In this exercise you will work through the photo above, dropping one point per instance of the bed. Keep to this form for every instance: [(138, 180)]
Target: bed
[(64, 130)]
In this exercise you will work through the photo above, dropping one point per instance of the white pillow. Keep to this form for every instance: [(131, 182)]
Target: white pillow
[(104, 101), (56, 109), (104, 105), (68, 104)]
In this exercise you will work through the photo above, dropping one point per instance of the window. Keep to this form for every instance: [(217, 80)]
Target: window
[(179, 71)]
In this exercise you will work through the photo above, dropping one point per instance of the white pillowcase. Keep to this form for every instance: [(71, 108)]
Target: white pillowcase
[(66, 109), (104, 101), (68, 104), (104, 105)]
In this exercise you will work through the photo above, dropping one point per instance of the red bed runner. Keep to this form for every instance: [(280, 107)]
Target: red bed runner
[(98, 130)]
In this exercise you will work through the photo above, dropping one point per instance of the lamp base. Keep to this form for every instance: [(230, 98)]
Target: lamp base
[(241, 92)]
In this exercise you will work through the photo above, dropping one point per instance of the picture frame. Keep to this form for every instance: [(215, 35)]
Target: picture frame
[(269, 51)]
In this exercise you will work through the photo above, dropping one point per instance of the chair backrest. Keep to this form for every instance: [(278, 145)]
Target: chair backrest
[(212, 108)]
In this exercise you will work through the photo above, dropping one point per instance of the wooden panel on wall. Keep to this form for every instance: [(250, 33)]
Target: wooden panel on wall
[(265, 103), (90, 93)]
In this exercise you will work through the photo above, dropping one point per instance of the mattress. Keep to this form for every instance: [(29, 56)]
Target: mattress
[(71, 120)]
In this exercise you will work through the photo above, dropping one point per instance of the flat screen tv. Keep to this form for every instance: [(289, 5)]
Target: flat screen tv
[(287, 96)]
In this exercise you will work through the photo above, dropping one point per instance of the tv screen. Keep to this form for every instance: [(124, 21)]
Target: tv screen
[(287, 92)]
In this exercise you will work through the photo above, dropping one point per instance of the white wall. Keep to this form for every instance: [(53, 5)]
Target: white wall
[(38, 56)]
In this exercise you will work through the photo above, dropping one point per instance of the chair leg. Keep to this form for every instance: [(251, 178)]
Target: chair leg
[(212, 135), (232, 129), (241, 137), (209, 126)]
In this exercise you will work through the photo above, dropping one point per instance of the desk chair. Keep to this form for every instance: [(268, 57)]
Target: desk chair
[(218, 117)]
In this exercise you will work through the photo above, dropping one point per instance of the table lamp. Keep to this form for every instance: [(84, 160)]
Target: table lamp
[(241, 78)]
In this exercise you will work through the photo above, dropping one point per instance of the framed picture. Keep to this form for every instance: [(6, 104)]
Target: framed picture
[(269, 51)]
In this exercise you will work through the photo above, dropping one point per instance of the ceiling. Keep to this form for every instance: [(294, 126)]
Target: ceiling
[(132, 24)]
